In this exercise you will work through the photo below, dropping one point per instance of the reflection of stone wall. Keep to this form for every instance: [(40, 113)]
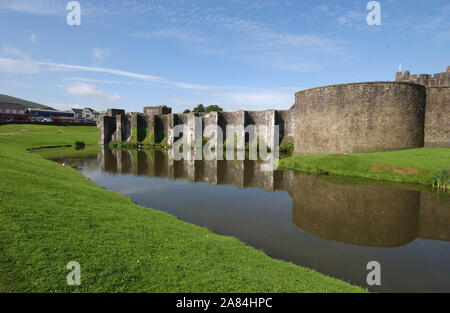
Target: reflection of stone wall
[(156, 163), (435, 216), (359, 215), (283, 180)]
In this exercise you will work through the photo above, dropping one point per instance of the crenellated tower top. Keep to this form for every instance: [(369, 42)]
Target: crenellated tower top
[(427, 80)]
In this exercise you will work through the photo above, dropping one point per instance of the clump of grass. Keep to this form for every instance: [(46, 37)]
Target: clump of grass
[(442, 180), (287, 149)]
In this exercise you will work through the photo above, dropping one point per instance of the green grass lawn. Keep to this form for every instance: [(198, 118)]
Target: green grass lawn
[(39, 136), (51, 215), (418, 166)]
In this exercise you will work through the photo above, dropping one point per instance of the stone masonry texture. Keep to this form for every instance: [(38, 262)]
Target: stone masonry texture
[(363, 117)]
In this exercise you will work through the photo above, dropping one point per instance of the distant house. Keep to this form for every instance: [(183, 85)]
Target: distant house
[(90, 115), (86, 115), (79, 116), (12, 112)]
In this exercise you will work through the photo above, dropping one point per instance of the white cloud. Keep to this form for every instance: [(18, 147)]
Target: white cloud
[(83, 89), (100, 53), (41, 7), (322, 8), (142, 77), (65, 106), (264, 37), (12, 51), (257, 99), (231, 97), (21, 65), (342, 20), (173, 33), (234, 98)]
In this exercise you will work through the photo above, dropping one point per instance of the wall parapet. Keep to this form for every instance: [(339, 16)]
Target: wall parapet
[(358, 83), (428, 80)]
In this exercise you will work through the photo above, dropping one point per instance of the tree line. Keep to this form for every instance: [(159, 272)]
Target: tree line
[(201, 109)]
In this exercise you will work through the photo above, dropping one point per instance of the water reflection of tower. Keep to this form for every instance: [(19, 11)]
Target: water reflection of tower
[(359, 215)]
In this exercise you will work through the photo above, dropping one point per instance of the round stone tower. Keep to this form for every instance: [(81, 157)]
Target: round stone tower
[(359, 117)]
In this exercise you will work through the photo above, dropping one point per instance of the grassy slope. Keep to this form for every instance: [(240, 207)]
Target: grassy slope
[(50, 215), (26, 103), (412, 166)]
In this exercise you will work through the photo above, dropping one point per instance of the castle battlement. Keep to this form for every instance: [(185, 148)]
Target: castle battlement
[(427, 80)]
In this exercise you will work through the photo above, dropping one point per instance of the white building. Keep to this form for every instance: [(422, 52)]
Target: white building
[(90, 115), (85, 115), (79, 118)]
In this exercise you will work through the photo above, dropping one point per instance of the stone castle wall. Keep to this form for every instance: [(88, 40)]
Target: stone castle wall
[(437, 118), (362, 117), (117, 126), (427, 80), (437, 113)]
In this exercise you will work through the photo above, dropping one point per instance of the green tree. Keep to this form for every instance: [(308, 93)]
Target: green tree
[(187, 111), (199, 109), (214, 108)]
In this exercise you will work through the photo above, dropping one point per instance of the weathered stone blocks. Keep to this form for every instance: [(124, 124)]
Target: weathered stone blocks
[(437, 118), (362, 117)]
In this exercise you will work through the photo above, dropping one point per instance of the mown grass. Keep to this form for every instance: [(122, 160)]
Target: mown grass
[(51, 215), (40, 136), (419, 166)]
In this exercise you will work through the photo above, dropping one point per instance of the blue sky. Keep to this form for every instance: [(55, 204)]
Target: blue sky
[(245, 54)]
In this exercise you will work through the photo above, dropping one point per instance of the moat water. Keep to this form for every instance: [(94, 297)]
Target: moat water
[(331, 224)]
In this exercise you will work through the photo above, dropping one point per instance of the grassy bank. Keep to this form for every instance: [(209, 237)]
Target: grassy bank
[(51, 215), (62, 154), (419, 166)]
